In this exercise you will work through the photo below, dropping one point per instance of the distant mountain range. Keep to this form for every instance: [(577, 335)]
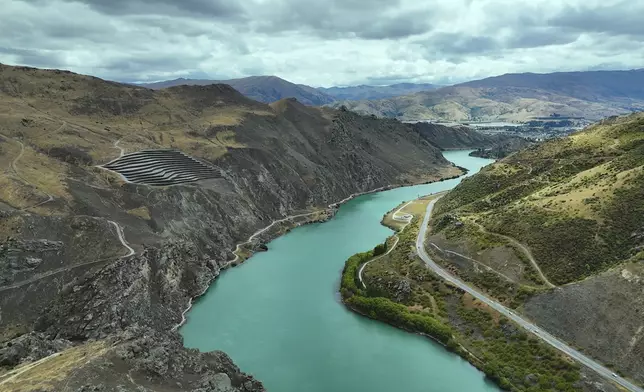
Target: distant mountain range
[(518, 97), (511, 97), (264, 89), (376, 92), (269, 89)]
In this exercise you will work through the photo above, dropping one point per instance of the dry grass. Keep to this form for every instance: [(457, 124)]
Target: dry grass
[(416, 207), (45, 173), (17, 194), (141, 212), (572, 197), (45, 375)]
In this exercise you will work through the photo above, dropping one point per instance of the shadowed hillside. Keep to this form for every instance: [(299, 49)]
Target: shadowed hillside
[(265, 89), (95, 272)]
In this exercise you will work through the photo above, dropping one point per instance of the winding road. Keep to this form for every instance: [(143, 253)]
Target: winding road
[(119, 232), (15, 170), (534, 329), (35, 278), (524, 249), (406, 219), (121, 149)]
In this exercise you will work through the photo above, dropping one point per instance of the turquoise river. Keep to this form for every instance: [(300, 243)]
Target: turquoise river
[(279, 316)]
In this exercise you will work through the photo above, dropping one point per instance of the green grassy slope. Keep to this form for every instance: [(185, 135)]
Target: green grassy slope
[(577, 202)]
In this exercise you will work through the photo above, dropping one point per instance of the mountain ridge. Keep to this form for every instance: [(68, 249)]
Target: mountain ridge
[(375, 92), (264, 89), (516, 97)]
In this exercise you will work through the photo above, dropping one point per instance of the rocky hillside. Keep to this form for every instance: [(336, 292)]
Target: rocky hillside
[(517, 97), (96, 272), (453, 138), (361, 92), (265, 89), (561, 227)]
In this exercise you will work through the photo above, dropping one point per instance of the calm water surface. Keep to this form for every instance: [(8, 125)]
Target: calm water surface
[(279, 316)]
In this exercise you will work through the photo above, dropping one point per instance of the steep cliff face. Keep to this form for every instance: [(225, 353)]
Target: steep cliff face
[(461, 137), (73, 295)]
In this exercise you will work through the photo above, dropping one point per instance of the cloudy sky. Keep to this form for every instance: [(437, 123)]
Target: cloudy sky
[(322, 42)]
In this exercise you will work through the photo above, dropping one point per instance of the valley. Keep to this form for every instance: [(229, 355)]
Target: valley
[(90, 258), (335, 196), (122, 205)]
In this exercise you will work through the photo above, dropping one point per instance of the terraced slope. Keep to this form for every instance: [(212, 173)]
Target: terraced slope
[(577, 205), (161, 167)]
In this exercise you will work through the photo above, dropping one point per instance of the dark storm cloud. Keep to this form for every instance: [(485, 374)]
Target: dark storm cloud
[(622, 19), (367, 19), (35, 58), (321, 42), (461, 44), (399, 27), (534, 38), (458, 47), (206, 8)]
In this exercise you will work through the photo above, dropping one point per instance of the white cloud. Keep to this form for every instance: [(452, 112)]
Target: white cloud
[(336, 42)]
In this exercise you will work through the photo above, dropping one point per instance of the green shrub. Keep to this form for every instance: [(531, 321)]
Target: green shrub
[(398, 315), (380, 249), (349, 284)]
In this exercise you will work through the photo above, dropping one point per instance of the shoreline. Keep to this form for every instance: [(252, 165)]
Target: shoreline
[(458, 349), (331, 209)]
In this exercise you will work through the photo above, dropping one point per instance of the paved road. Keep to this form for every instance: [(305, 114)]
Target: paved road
[(540, 333)]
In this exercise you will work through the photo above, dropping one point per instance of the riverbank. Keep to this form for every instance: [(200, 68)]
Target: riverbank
[(402, 293), (279, 315), (282, 226)]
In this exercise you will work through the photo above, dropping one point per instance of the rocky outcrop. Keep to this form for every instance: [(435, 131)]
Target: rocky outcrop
[(120, 311)]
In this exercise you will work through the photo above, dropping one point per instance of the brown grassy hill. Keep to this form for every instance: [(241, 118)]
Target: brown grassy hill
[(508, 103), (593, 86), (518, 97), (567, 212), (65, 286), (265, 89), (356, 93)]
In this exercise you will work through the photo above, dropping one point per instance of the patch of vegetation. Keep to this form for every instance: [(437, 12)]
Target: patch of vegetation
[(403, 292), (141, 212), (380, 249), (576, 202), (70, 154), (349, 285), (399, 315), (565, 247), (514, 360)]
